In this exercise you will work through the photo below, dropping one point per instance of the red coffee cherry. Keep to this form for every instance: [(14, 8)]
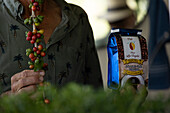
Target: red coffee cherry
[(28, 38), (34, 8), (36, 4), (38, 8), (40, 47), (31, 66), (34, 49), (46, 101), (32, 41), (33, 59), (29, 34), (32, 1), (34, 37), (45, 65), (43, 54), (38, 52), (31, 56), (38, 35)]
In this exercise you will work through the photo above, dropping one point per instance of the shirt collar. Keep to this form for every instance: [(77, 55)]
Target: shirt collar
[(14, 6)]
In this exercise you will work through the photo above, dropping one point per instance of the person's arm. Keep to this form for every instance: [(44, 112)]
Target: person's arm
[(92, 66)]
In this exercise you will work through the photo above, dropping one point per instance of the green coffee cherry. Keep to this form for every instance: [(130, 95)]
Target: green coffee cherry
[(29, 50), (37, 24), (31, 4), (26, 33), (35, 54), (37, 61), (26, 21), (30, 21), (30, 63), (27, 54), (38, 40), (35, 20), (44, 49)]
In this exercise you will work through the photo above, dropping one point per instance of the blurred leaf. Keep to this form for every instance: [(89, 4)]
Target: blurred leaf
[(74, 98)]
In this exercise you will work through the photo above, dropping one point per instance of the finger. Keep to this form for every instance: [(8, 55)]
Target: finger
[(26, 73), (16, 77), (28, 89), (26, 82), (33, 80)]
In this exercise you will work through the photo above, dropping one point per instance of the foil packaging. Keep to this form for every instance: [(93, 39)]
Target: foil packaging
[(127, 57)]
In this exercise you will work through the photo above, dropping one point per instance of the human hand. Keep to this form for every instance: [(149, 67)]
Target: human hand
[(26, 81)]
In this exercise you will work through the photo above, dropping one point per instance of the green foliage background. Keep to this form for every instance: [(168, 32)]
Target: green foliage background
[(74, 98)]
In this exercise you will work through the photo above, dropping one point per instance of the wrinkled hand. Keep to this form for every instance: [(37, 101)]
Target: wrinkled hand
[(26, 81)]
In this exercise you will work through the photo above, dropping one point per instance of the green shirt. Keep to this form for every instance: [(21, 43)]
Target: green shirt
[(71, 53)]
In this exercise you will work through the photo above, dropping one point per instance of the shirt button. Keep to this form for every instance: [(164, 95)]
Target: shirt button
[(49, 41)]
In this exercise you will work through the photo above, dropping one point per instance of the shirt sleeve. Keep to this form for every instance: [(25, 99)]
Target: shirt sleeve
[(92, 66)]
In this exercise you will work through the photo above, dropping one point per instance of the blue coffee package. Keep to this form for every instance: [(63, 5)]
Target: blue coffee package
[(127, 58)]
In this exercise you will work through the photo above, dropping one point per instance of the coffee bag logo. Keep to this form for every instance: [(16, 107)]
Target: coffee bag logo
[(132, 46)]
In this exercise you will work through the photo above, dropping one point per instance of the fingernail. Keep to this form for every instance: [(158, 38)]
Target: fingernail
[(42, 73), (41, 78)]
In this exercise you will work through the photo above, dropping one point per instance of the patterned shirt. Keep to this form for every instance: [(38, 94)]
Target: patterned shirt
[(71, 53)]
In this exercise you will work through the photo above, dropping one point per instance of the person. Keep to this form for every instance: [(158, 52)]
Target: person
[(71, 54), (119, 15), (159, 71)]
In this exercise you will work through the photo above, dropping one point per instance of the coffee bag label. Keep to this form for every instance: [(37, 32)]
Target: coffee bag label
[(132, 49), (132, 63)]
